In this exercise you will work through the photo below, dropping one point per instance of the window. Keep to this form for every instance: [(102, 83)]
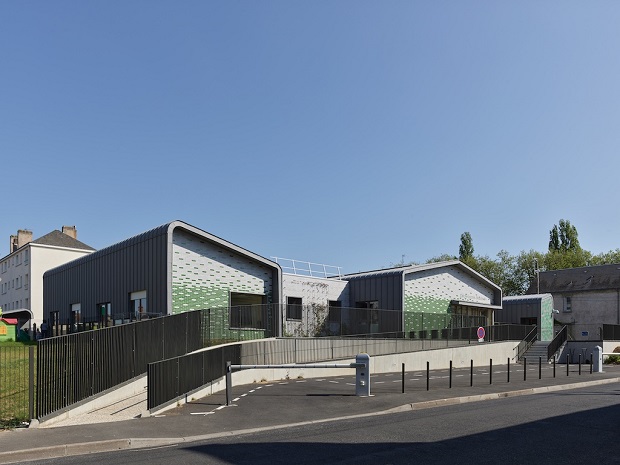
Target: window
[(334, 310), (76, 314), (104, 313), (247, 310), (568, 305), (138, 304), (26, 282), (293, 308)]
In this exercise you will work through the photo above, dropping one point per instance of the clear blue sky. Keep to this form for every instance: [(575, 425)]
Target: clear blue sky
[(340, 132)]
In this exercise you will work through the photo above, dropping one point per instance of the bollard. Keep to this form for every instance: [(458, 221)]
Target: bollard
[(567, 363), (579, 364), (491, 371), (524, 368), (362, 375), (597, 359), (450, 374), (539, 367), (228, 384), (508, 380), (554, 366), (591, 362), (471, 374), (403, 378), (428, 369)]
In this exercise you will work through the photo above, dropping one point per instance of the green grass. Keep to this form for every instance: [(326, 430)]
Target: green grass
[(14, 380)]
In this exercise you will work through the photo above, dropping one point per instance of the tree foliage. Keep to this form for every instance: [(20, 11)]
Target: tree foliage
[(466, 249)]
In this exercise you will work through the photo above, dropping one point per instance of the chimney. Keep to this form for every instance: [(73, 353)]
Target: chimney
[(70, 231), (23, 237)]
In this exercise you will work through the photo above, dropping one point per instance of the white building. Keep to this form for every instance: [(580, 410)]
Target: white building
[(21, 272)]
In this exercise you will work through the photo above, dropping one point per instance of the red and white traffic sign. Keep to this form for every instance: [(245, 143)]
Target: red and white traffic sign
[(481, 334)]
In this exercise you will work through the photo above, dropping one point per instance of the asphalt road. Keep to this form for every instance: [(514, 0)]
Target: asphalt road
[(567, 427)]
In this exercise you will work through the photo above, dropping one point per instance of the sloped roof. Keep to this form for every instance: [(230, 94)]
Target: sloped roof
[(587, 278), (59, 239)]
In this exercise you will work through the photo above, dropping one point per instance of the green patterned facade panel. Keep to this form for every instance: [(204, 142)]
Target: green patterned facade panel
[(546, 318), (205, 274)]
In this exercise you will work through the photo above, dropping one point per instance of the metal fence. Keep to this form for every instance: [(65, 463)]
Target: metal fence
[(74, 367), (174, 377), (17, 368), (238, 323), (170, 379)]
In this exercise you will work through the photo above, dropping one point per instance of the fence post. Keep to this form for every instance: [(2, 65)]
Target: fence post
[(31, 382)]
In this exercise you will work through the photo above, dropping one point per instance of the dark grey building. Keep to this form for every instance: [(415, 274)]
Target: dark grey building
[(173, 268)]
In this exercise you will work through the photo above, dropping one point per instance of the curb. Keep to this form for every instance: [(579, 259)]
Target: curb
[(141, 443)]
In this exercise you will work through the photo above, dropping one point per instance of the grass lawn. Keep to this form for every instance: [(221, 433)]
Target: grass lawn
[(14, 379)]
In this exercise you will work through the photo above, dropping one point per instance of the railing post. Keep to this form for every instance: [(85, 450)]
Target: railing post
[(31, 382)]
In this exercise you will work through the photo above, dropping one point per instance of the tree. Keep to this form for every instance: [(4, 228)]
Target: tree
[(563, 238), (441, 258), (607, 258), (466, 249)]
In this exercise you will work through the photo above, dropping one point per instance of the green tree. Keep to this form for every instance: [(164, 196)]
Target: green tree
[(466, 249), (607, 258), (441, 258), (564, 237)]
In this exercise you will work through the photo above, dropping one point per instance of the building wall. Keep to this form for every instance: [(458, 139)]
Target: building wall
[(111, 275), (540, 307), (588, 312), (315, 294), (432, 290), (43, 258), (204, 274), (22, 276)]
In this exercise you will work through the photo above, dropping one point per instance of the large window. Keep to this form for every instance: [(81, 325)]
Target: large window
[(247, 310), (293, 308), (104, 312), (138, 304)]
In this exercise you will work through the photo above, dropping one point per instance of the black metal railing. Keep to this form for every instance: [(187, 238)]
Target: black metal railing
[(611, 332), (557, 342), (169, 379), (526, 343), (74, 367)]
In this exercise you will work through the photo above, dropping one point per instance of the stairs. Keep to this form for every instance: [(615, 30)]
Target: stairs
[(538, 349)]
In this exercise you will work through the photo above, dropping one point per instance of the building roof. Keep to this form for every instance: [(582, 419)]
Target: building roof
[(587, 278), (526, 298), (164, 229), (418, 268), (60, 239)]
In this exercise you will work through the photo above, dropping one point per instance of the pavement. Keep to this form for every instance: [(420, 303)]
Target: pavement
[(286, 403)]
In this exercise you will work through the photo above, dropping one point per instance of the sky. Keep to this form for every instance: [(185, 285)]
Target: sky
[(351, 133)]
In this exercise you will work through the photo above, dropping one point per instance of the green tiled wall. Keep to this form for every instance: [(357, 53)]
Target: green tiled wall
[(204, 274)]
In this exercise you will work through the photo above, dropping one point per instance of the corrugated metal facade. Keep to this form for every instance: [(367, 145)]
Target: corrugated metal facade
[(110, 275), (385, 288)]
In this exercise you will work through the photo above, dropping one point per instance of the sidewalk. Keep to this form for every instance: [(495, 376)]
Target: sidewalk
[(282, 404)]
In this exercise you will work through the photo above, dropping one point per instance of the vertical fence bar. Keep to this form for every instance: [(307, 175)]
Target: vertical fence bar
[(30, 382)]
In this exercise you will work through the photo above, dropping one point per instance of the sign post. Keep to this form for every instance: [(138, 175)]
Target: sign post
[(481, 334)]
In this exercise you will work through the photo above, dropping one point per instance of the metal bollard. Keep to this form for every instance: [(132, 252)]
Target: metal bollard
[(450, 374), (567, 363), (539, 367), (403, 378), (591, 362), (491, 371), (579, 364), (524, 368), (228, 384), (508, 380), (471, 374), (428, 369), (554, 366)]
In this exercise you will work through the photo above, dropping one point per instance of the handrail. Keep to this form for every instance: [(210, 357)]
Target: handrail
[(557, 342), (526, 343)]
